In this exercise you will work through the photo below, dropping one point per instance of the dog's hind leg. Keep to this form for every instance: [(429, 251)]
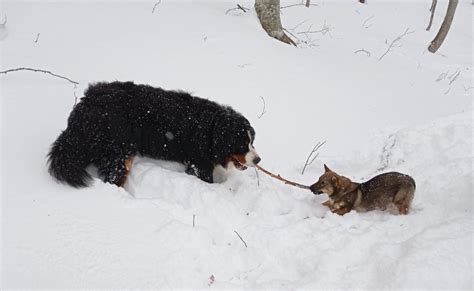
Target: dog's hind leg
[(403, 199)]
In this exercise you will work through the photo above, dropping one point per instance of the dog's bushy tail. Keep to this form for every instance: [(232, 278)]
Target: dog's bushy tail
[(66, 161)]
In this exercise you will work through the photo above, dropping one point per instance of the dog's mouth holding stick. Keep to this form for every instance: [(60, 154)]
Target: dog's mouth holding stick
[(282, 179)]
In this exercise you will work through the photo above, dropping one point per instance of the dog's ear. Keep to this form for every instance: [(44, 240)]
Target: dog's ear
[(335, 181), (326, 169)]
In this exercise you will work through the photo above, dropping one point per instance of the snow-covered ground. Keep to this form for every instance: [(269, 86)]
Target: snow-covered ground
[(411, 112)]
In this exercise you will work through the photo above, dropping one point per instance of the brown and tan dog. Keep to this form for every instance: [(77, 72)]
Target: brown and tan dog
[(389, 191)]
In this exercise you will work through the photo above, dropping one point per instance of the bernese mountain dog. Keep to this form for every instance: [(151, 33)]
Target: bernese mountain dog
[(116, 121)]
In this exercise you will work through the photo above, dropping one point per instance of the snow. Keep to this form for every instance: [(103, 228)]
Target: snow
[(409, 112)]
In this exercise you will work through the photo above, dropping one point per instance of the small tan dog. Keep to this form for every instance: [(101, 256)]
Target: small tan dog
[(389, 191)]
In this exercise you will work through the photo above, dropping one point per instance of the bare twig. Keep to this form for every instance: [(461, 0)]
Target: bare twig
[(263, 110), (239, 7), (281, 178), (37, 37), (258, 178), (154, 6), (296, 26), (309, 41), (465, 87), (300, 4), (432, 10), (365, 22), (442, 76), (194, 218), (240, 238), (40, 71), (324, 29), (453, 77), (394, 42), (313, 151), (363, 51), (244, 9)]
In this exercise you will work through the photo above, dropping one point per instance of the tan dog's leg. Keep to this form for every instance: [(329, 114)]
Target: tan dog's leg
[(128, 167), (403, 200)]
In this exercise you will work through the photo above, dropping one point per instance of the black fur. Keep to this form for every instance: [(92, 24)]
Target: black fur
[(117, 120)]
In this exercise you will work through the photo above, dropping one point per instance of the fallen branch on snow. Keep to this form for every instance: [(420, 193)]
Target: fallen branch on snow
[(37, 37), (263, 110), (240, 238), (239, 7), (278, 177), (40, 71), (154, 6), (397, 39), (300, 4), (363, 51)]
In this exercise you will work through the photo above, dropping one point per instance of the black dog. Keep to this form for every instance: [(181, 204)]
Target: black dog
[(116, 121)]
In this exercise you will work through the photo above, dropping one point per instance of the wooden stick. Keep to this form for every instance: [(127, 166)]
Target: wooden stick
[(282, 179), (41, 71)]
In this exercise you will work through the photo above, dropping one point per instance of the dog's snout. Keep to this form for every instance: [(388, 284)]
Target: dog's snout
[(315, 190), (256, 160)]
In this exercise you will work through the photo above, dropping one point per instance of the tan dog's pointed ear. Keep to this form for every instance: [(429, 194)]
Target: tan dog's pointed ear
[(335, 182), (326, 169)]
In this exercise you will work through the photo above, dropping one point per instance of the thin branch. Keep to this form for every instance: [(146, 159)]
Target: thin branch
[(239, 7), (258, 178), (363, 51), (263, 110), (240, 238), (299, 24), (278, 177), (154, 6), (442, 76), (40, 71), (432, 9), (313, 151), (300, 4), (369, 18), (325, 29), (244, 9), (194, 217), (394, 42), (454, 77), (309, 41), (37, 37)]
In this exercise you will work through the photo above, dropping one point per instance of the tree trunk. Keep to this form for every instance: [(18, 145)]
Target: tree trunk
[(268, 12), (445, 26)]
